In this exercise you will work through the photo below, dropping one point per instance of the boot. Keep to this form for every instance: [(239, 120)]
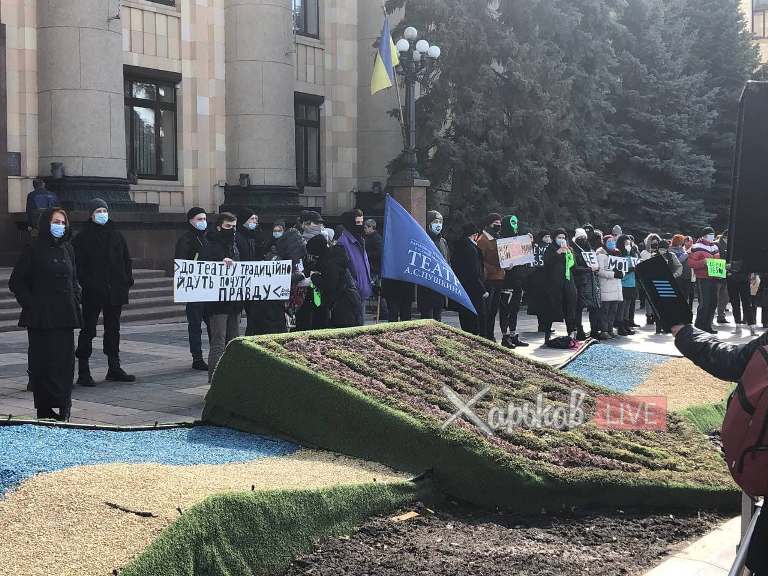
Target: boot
[(199, 364), (622, 331), (63, 415), (116, 374), (84, 377), (46, 414), (507, 342), (602, 336), (580, 335), (519, 343)]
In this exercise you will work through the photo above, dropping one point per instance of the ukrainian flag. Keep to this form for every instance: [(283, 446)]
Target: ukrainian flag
[(386, 60)]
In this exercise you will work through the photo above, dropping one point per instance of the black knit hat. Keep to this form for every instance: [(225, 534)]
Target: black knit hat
[(195, 211), (95, 204), (706, 230)]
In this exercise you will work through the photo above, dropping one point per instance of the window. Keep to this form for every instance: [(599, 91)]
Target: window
[(166, 2), (307, 111), (759, 20), (150, 128), (306, 17)]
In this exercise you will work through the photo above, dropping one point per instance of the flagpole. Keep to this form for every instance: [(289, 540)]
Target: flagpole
[(397, 85)]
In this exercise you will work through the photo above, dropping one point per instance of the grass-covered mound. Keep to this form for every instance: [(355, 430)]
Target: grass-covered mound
[(260, 533), (707, 418), (376, 393)]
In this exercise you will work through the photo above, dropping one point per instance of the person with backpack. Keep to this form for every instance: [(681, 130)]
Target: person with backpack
[(744, 432)]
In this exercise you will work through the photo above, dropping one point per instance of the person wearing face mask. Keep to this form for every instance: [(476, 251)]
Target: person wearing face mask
[(536, 280), (105, 272), (587, 285), (251, 245), (467, 264), (511, 295), (332, 278), (677, 247), (429, 302), (44, 282), (625, 321), (494, 275), (650, 249), (352, 239), (559, 288), (611, 294), (223, 317), (188, 247), (705, 249)]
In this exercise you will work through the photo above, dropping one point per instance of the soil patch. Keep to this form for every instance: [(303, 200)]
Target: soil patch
[(464, 542)]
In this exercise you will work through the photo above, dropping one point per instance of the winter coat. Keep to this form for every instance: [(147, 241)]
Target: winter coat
[(467, 264), (38, 202), (558, 290), (586, 279), (250, 244), (291, 246), (398, 290), (610, 286), (189, 244), (724, 361), (374, 247), (358, 263), (337, 288), (487, 245), (44, 282), (218, 248), (104, 267), (426, 297), (702, 251), (535, 281)]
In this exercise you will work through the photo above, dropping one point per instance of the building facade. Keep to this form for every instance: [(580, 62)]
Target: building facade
[(161, 105), (757, 21)]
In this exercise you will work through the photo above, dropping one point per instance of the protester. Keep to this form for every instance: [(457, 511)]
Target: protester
[(511, 295), (429, 302), (650, 249), (722, 284), (587, 285), (278, 231), (105, 273), (39, 201), (223, 317), (44, 282), (693, 293), (309, 315), (188, 247), (625, 321), (332, 278), (251, 245), (677, 247), (741, 301), (494, 275), (705, 249), (611, 293), (467, 264), (537, 302), (374, 248), (353, 241), (559, 289)]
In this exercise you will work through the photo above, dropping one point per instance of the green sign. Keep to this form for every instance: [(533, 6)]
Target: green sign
[(715, 268), (570, 262), (316, 298)]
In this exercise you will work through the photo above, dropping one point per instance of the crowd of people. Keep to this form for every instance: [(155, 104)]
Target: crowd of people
[(65, 282)]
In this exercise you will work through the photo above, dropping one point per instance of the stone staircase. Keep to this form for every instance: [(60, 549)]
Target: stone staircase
[(151, 300)]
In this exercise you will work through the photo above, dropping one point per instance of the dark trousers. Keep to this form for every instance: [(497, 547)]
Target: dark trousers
[(492, 308), (52, 367), (627, 316), (595, 319), (267, 317), (509, 307), (195, 318), (705, 313), (722, 298), (608, 313), (399, 309), (741, 300), (91, 312), (431, 312), (471, 323)]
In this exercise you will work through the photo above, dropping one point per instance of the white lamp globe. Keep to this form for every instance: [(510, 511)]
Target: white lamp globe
[(411, 33), (403, 45), (422, 46), (434, 52)]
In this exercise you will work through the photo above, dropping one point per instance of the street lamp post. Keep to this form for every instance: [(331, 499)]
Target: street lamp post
[(416, 61)]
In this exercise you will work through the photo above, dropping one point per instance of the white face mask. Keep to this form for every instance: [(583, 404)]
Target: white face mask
[(709, 237), (561, 242)]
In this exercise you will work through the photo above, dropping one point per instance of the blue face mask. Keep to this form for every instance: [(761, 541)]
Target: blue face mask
[(277, 235), (561, 242), (436, 227), (202, 225), (251, 226), (101, 218), (58, 230), (611, 244)]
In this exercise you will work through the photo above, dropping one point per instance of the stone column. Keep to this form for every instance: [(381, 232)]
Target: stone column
[(260, 76), (412, 195), (80, 88)]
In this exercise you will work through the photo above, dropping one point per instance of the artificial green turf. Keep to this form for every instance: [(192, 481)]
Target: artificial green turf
[(707, 418), (306, 386), (260, 533)]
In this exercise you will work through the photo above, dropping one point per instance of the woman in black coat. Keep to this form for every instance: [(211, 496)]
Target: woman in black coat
[(468, 265), (534, 287), (251, 244), (559, 288), (44, 282), (332, 278)]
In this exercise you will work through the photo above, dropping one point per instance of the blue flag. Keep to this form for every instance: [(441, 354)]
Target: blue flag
[(410, 255)]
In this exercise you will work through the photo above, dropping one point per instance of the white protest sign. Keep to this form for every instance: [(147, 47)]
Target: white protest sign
[(618, 263), (538, 256), (199, 281), (590, 258), (516, 251)]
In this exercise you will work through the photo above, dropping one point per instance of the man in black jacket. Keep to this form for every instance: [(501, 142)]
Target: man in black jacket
[(467, 264), (106, 275), (188, 247), (727, 362)]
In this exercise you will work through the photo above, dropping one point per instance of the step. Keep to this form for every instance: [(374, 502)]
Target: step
[(142, 273), (174, 313), (139, 293), (159, 301), (161, 282), (8, 301)]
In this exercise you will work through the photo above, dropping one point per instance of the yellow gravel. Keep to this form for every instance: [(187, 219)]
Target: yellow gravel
[(684, 384), (59, 524)]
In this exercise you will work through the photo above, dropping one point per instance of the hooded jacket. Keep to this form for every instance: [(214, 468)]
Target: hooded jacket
[(359, 266), (610, 286), (702, 251), (104, 266), (490, 251), (44, 281), (335, 284), (219, 247), (585, 274)]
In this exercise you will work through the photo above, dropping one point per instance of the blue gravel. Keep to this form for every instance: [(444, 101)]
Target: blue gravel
[(615, 368), (28, 450)]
